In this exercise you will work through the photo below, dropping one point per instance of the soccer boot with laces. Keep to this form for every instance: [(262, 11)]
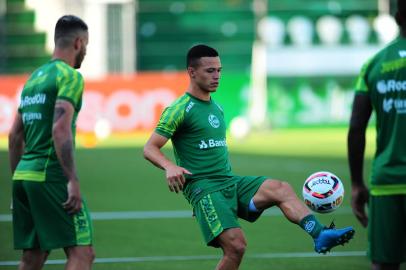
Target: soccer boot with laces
[(330, 237)]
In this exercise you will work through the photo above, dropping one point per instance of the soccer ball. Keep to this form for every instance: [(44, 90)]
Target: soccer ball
[(323, 192)]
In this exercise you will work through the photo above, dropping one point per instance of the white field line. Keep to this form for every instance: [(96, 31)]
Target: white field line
[(127, 215), (206, 257)]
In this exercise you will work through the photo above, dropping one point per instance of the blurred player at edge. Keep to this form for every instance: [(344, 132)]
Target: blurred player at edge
[(381, 87), (195, 124), (48, 209)]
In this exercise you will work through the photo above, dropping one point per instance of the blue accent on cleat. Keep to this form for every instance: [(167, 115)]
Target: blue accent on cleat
[(331, 237)]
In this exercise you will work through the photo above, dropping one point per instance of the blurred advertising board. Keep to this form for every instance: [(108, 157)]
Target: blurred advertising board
[(127, 104), (310, 101), (134, 103)]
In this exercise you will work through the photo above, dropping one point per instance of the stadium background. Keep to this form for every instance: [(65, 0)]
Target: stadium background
[(288, 73)]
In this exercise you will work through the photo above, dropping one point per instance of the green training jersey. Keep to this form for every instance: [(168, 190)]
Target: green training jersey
[(383, 79), (198, 133), (52, 81)]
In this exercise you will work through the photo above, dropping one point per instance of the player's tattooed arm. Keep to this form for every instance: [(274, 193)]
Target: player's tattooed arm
[(16, 142), (63, 141), (62, 136), (59, 112), (68, 158)]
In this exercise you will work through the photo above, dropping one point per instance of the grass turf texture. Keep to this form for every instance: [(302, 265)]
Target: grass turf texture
[(117, 178)]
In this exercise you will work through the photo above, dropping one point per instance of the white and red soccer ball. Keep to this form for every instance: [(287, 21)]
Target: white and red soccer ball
[(323, 192)]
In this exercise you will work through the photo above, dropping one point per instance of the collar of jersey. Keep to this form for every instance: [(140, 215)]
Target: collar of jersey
[(198, 99), (57, 60)]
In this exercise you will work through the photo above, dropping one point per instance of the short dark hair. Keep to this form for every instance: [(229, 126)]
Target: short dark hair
[(400, 15), (197, 52), (67, 28)]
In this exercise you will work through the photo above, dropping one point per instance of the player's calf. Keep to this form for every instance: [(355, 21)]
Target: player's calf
[(233, 244), (33, 259), (80, 257)]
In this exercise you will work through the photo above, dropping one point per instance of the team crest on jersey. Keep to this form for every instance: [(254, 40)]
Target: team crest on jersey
[(214, 121)]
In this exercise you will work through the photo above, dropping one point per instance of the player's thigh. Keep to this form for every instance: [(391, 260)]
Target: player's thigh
[(55, 227), (24, 232), (247, 187), (215, 213), (387, 223)]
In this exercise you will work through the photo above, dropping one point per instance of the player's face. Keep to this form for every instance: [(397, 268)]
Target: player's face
[(82, 46), (207, 74)]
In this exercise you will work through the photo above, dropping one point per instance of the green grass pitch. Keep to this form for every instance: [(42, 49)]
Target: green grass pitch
[(116, 178)]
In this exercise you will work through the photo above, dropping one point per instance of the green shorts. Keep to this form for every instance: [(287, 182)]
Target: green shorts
[(40, 221), (220, 210), (387, 229)]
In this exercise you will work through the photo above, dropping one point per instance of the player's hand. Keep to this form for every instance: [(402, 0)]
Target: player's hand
[(175, 176), (359, 200), (74, 202)]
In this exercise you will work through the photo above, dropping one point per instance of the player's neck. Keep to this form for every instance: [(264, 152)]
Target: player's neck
[(199, 94), (64, 56)]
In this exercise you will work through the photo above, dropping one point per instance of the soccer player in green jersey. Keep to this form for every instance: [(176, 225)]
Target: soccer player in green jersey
[(195, 124), (381, 87), (48, 209)]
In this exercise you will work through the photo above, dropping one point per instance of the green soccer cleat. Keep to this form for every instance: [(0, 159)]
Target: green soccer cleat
[(331, 237)]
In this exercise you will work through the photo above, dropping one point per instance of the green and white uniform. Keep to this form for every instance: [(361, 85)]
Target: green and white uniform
[(55, 80), (40, 186), (198, 133), (383, 79)]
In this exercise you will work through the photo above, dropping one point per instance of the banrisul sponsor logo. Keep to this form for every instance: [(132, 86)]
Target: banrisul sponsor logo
[(29, 118), (388, 86), (387, 105), (211, 143), (33, 100), (203, 145), (214, 121), (398, 104)]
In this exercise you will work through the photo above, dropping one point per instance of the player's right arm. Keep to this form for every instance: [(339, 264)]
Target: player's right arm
[(63, 142), (16, 142), (174, 174), (361, 112)]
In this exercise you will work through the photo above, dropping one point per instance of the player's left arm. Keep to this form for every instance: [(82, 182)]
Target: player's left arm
[(64, 147), (361, 112), (16, 142)]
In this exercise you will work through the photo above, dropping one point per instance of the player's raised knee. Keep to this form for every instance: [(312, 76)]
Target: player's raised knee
[(286, 186), (275, 185), (281, 189)]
